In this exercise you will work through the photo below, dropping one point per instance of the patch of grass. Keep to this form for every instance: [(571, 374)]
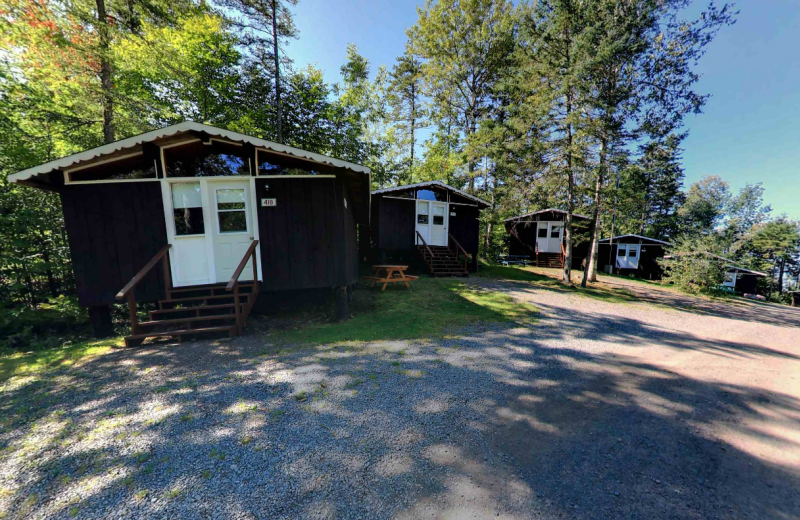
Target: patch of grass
[(128, 481), (32, 362), (187, 417), (206, 474), (174, 493), (73, 511), (141, 494), (429, 308)]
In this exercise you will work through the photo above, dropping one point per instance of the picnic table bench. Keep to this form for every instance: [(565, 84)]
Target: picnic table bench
[(394, 274), (515, 260)]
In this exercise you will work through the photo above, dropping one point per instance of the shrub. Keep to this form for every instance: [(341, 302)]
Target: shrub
[(693, 268), (46, 325)]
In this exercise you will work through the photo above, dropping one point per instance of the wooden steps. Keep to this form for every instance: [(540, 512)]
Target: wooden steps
[(199, 310), (552, 260), (441, 261)]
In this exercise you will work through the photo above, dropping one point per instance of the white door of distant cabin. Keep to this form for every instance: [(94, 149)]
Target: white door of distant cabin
[(628, 256), (231, 227), (542, 232), (554, 237), (438, 229)]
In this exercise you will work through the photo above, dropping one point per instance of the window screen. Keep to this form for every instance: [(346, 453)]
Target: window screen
[(187, 209)]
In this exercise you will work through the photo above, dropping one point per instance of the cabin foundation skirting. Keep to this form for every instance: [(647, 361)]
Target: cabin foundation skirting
[(100, 318)]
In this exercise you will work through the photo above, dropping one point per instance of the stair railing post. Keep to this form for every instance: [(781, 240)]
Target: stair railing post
[(167, 275), (132, 313), (236, 308)]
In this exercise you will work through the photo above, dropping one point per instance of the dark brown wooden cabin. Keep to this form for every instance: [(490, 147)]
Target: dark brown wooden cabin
[(632, 255), (740, 280), (431, 220), (539, 235), (189, 215)]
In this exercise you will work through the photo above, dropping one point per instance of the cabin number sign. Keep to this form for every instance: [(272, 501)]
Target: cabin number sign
[(268, 203)]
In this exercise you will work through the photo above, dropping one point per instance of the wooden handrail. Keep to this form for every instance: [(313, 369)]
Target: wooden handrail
[(234, 285), (426, 245), (238, 272), (143, 272), (458, 247), (129, 293)]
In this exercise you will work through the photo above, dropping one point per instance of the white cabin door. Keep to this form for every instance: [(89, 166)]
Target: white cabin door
[(628, 256), (438, 228), (187, 231), (231, 227), (423, 224), (554, 237), (542, 232)]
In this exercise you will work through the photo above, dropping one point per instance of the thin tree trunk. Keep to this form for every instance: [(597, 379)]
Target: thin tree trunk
[(590, 273), (105, 74), (413, 117), (279, 124), (780, 275)]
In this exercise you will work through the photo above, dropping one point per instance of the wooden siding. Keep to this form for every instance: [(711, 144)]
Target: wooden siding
[(393, 223), (308, 240), (465, 227), (113, 231)]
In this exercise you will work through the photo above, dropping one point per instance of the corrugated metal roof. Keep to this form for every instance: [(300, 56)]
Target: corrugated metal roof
[(431, 183), (186, 126)]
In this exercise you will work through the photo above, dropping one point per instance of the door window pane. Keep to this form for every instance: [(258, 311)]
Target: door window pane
[(632, 252), (422, 213), (187, 209), (621, 251), (555, 232), (232, 222), (438, 216), (231, 210), (542, 232)]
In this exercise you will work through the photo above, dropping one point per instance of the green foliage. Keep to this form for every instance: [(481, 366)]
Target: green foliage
[(692, 266), (46, 325)]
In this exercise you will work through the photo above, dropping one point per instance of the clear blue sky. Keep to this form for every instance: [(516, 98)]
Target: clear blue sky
[(749, 131)]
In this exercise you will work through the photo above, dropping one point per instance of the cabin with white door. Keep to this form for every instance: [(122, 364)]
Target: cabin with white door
[(539, 235), (207, 223), (430, 220), (632, 255)]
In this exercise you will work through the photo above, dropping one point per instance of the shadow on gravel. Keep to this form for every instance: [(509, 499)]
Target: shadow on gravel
[(492, 423)]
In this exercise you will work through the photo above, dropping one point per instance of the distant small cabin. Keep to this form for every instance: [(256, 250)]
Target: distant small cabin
[(540, 235), (632, 254), (206, 222), (740, 280), (436, 221)]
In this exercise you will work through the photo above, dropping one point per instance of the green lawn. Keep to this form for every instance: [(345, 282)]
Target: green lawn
[(550, 279), (432, 307), (33, 362)]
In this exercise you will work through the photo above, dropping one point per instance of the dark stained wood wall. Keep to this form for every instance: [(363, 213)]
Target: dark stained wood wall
[(393, 223), (308, 240), (465, 227), (113, 231), (648, 269)]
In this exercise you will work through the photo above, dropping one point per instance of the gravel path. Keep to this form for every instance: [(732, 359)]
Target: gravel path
[(683, 409)]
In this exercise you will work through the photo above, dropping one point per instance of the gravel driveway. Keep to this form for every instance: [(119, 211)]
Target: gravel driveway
[(675, 408)]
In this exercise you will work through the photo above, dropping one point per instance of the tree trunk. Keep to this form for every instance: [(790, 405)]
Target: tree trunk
[(105, 74), (413, 117), (590, 273), (780, 275), (275, 50)]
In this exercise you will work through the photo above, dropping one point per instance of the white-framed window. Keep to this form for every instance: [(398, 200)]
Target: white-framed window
[(187, 209)]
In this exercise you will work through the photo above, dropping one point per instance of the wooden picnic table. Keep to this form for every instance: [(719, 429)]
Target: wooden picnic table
[(394, 274)]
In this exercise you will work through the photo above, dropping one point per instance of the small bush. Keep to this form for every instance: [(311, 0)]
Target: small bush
[(47, 325)]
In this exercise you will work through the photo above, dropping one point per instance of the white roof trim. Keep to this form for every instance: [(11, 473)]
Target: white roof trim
[(130, 142), (638, 236), (546, 211), (431, 183), (736, 268)]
